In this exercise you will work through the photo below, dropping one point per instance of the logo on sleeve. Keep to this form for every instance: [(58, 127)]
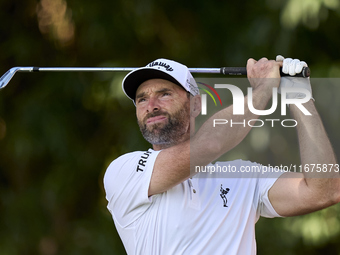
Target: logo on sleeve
[(223, 195), (142, 161)]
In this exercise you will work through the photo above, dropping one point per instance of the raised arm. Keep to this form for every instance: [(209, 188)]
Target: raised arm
[(319, 184), (173, 164)]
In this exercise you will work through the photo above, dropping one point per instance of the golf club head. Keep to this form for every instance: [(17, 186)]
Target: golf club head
[(5, 79)]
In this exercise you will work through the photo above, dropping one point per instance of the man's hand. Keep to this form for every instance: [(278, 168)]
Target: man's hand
[(293, 67), (263, 73)]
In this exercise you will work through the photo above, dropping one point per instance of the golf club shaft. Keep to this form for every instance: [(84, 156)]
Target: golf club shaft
[(5, 79), (223, 70), (111, 69)]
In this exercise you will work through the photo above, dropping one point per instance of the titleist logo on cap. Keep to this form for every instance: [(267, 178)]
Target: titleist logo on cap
[(162, 64), (193, 88)]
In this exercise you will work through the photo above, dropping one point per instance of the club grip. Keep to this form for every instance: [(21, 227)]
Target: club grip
[(243, 71), (233, 70), (304, 73)]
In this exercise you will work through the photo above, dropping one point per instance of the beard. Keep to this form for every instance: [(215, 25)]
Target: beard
[(166, 133)]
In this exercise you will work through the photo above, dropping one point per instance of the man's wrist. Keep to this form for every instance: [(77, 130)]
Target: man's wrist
[(265, 91)]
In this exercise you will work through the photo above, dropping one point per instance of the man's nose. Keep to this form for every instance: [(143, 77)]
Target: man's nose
[(153, 105)]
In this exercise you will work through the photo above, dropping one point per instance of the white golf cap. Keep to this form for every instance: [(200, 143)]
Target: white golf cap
[(160, 69)]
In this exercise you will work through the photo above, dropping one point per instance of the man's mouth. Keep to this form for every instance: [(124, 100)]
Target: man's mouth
[(155, 119)]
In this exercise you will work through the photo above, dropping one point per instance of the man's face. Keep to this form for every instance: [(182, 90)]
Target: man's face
[(163, 112)]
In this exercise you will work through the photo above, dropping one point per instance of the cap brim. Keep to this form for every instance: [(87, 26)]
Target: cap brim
[(134, 79)]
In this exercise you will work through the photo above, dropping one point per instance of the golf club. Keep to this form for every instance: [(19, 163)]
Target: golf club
[(5, 79)]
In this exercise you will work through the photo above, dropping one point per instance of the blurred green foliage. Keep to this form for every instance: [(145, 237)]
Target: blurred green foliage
[(59, 131)]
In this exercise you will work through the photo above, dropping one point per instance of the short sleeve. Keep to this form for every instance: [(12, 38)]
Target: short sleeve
[(265, 182), (126, 184)]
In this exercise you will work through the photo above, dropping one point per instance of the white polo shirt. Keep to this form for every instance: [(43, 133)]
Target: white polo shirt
[(208, 214)]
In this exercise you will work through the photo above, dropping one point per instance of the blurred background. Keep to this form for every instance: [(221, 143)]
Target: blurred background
[(60, 131)]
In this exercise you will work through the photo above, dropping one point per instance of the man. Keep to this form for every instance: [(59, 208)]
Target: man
[(159, 206)]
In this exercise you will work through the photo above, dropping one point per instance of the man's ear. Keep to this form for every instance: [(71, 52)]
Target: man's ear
[(195, 106)]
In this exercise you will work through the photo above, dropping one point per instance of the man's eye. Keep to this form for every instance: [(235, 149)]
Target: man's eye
[(141, 100), (166, 94)]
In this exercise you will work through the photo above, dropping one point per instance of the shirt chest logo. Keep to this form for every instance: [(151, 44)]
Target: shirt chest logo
[(223, 195)]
